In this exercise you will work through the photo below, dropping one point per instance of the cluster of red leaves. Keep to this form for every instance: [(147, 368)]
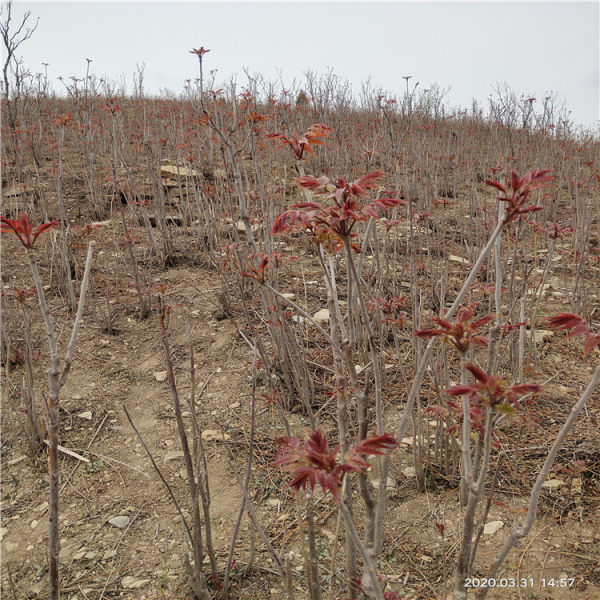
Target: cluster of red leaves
[(487, 391), (520, 189), (63, 120), (200, 51), (462, 332), (22, 295), (578, 326), (88, 229), (111, 106), (313, 137), (390, 309), (270, 398), (340, 217), (554, 231), (23, 229), (313, 461), (260, 271), (491, 390)]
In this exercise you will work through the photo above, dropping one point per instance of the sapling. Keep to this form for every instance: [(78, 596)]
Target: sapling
[(554, 232), (516, 204), (331, 227), (57, 375), (312, 462), (578, 327), (199, 582), (33, 427), (113, 108)]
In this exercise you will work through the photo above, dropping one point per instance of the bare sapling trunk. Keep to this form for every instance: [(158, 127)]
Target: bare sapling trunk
[(198, 579), (57, 378)]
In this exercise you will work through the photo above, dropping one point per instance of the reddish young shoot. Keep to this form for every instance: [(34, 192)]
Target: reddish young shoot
[(460, 333), (23, 229), (578, 326), (315, 462), (520, 188)]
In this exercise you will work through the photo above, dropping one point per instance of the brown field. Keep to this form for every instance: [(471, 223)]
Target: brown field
[(180, 197)]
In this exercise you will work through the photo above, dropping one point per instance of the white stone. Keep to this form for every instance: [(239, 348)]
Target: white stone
[(121, 521), (160, 375), (390, 484), (242, 228), (409, 472), (172, 171), (458, 259), (87, 415), (492, 527), (131, 583), (173, 455), (321, 316), (541, 335), (553, 484), (209, 435)]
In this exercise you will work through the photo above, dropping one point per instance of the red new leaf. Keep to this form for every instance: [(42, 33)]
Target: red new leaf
[(302, 144), (23, 229), (460, 333), (521, 188), (492, 390), (578, 326), (313, 462)]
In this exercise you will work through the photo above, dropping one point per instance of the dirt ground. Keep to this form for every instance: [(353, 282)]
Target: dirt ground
[(144, 559)]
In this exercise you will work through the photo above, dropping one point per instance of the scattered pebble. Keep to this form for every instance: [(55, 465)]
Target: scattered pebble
[(160, 375), (552, 484), (492, 527), (131, 583), (173, 455), (121, 521), (321, 316), (209, 435), (87, 415), (459, 259)]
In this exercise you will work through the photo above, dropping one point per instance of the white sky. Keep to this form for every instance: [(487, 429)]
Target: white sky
[(535, 47)]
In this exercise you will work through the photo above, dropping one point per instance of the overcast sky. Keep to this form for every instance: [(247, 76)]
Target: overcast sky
[(535, 47)]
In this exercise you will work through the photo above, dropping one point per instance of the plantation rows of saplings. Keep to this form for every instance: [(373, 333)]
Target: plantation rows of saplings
[(396, 270)]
